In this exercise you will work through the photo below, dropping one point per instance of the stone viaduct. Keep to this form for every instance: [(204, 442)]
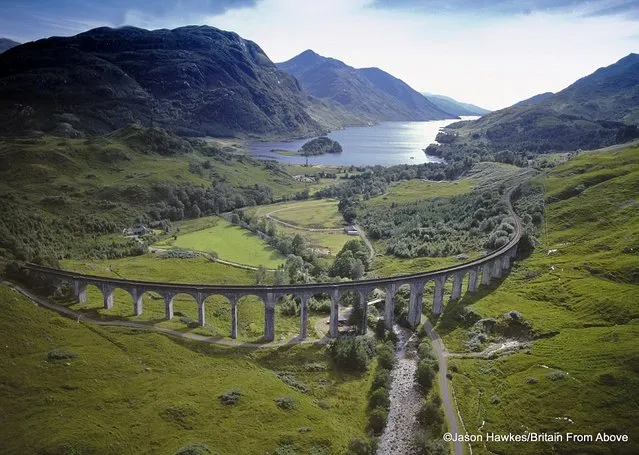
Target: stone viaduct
[(480, 272)]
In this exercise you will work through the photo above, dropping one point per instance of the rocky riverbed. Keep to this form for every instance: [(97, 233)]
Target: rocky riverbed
[(405, 398)]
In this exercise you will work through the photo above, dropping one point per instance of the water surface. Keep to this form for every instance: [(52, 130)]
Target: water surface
[(387, 144)]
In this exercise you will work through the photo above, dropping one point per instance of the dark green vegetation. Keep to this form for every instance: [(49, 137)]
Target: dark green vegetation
[(367, 94), (320, 146), (575, 300), (6, 44), (596, 111), (127, 391), (73, 197), (447, 104), (194, 81), (441, 227)]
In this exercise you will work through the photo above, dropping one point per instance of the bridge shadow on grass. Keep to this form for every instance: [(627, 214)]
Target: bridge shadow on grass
[(456, 316)]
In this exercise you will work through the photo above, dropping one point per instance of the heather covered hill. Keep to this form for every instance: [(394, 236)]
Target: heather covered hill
[(194, 80), (370, 93), (596, 111)]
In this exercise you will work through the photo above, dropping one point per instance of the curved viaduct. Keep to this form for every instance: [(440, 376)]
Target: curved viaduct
[(480, 272)]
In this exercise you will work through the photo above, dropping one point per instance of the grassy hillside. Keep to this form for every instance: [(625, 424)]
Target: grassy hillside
[(58, 196), (126, 391), (578, 293), (229, 242)]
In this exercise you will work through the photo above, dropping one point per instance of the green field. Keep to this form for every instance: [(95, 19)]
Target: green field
[(152, 267), (578, 291), (416, 190), (230, 242), (127, 391)]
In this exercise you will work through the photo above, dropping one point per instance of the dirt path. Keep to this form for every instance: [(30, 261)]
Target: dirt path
[(450, 405), (37, 300)]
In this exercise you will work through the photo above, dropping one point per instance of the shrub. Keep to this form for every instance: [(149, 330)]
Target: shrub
[(379, 399), (425, 375), (351, 354), (494, 399), (359, 446), (194, 449), (556, 375), (531, 380), (380, 329), (381, 379), (285, 402), (425, 350), (230, 397), (386, 356), (323, 405), (377, 420), (289, 380), (58, 354)]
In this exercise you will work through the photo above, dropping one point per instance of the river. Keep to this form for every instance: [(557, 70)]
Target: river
[(405, 398), (386, 144)]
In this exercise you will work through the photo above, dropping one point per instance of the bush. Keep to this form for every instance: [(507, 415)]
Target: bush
[(377, 420), (531, 380), (230, 397), (194, 449), (289, 380), (359, 446), (58, 354), (351, 354), (556, 375), (323, 405), (380, 329), (285, 402), (425, 350), (381, 379), (379, 399), (386, 356), (425, 375)]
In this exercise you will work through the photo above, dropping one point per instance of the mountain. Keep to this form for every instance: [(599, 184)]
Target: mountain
[(6, 44), (194, 81), (369, 93), (596, 111), (534, 99), (448, 104)]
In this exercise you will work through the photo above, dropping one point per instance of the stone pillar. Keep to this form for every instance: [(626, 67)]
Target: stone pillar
[(201, 313), (168, 306), (485, 274), (472, 280), (416, 304), (304, 316), (233, 300), (334, 320), (389, 306), (505, 261), (496, 268), (269, 317), (80, 291), (363, 305), (438, 296), (137, 295), (107, 293), (457, 286)]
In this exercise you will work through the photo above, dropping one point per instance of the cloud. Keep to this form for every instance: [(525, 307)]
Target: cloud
[(32, 19), (628, 8)]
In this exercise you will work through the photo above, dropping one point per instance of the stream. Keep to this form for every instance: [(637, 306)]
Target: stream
[(405, 398)]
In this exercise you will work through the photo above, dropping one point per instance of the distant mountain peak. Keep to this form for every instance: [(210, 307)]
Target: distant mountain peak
[(6, 44), (370, 94), (453, 106)]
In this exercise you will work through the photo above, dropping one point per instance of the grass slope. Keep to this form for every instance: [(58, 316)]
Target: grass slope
[(579, 291), (144, 393)]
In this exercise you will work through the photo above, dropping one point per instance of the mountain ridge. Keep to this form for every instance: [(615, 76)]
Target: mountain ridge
[(6, 44), (193, 80), (371, 93), (453, 106)]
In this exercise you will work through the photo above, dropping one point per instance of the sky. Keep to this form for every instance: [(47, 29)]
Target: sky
[(492, 53)]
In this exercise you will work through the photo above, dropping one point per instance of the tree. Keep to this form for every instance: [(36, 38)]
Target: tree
[(260, 275), (298, 245)]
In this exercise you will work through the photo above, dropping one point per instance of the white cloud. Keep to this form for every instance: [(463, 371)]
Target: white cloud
[(492, 62)]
